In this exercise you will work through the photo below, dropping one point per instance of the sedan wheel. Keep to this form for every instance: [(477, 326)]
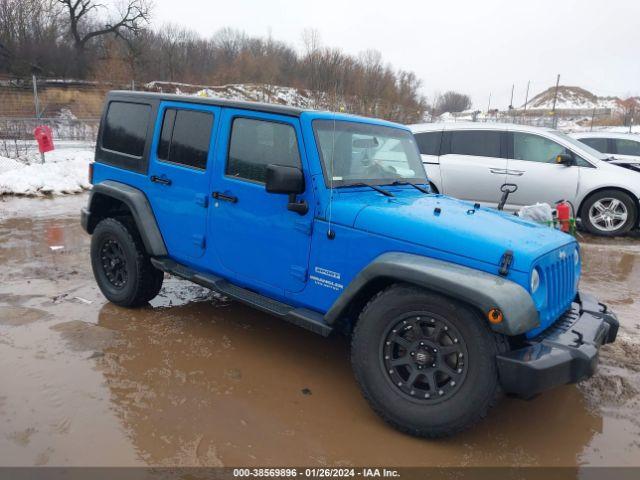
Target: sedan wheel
[(608, 214)]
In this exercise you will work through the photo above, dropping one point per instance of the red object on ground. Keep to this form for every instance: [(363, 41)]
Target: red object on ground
[(44, 137), (564, 215)]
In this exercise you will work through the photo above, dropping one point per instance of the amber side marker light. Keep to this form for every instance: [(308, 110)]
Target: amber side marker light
[(495, 316), (91, 173)]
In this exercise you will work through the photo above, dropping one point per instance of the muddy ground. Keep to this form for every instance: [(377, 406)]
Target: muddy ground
[(195, 380)]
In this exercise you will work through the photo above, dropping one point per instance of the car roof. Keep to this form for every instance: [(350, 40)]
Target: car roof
[(605, 134), (219, 102), (430, 127), (246, 105)]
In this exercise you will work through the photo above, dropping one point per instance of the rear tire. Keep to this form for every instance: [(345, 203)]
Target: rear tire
[(121, 265), (449, 379), (609, 213)]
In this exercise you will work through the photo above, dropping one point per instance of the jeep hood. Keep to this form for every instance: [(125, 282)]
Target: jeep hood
[(450, 226)]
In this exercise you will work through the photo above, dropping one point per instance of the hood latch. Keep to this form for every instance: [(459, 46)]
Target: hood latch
[(505, 263)]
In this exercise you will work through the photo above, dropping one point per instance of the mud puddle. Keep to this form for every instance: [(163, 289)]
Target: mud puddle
[(195, 380)]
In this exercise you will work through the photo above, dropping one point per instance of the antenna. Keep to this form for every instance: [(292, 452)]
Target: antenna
[(330, 233)]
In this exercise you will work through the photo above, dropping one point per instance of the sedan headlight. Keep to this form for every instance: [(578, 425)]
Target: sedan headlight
[(535, 280)]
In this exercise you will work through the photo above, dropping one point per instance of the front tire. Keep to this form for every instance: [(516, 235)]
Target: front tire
[(121, 265), (609, 213), (425, 363)]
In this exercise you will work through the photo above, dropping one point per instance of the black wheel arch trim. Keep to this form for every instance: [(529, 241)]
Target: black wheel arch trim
[(478, 289), (139, 207)]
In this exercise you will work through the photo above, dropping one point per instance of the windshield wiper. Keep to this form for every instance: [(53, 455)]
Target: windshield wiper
[(417, 187), (377, 189)]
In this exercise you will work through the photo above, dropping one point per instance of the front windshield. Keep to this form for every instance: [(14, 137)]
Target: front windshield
[(577, 143), (358, 152)]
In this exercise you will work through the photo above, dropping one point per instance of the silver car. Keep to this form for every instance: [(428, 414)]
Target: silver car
[(472, 161), (622, 148)]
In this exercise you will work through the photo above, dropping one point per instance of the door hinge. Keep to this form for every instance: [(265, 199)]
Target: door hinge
[(303, 226), (298, 272), (199, 241), (202, 200)]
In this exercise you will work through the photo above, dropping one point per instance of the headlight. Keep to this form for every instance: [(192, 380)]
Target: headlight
[(535, 280), (576, 257)]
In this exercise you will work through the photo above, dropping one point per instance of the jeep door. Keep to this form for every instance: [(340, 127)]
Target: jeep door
[(258, 242), (178, 173), (473, 165), (532, 167)]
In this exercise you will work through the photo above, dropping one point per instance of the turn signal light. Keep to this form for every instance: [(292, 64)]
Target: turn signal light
[(495, 316), (91, 173)]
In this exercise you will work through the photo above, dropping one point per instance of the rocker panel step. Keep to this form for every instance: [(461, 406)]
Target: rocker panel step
[(301, 317)]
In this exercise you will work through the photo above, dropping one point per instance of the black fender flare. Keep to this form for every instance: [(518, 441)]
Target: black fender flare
[(140, 208), (476, 288)]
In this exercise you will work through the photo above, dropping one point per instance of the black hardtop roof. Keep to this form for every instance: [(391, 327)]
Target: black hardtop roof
[(219, 102)]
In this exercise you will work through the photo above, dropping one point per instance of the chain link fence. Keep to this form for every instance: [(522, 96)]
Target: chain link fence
[(18, 146)]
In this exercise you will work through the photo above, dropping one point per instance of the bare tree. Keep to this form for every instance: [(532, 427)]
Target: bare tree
[(452, 102), (84, 24)]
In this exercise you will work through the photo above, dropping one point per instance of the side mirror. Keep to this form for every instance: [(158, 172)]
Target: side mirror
[(282, 179), (287, 180), (565, 159)]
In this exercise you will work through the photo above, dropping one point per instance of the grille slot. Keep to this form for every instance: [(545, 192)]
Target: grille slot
[(559, 272)]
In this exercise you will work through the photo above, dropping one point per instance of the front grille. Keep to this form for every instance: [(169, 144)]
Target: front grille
[(559, 274), (563, 324)]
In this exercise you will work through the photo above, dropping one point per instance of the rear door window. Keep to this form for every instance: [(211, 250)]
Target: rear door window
[(600, 144), (429, 142), (125, 128), (185, 137), (627, 147), (476, 143)]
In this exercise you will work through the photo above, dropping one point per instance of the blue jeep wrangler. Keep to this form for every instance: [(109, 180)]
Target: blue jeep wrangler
[(327, 221)]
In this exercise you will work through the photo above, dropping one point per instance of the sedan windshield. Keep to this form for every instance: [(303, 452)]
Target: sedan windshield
[(362, 153)]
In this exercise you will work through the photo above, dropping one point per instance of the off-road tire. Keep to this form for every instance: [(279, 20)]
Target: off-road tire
[(623, 198), (476, 393), (143, 280)]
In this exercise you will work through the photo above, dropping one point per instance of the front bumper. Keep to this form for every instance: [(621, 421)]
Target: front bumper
[(567, 352)]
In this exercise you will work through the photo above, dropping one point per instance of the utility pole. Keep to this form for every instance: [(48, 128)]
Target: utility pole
[(511, 109), (35, 95), (37, 104), (593, 114), (555, 99), (489, 105), (526, 97), (633, 112)]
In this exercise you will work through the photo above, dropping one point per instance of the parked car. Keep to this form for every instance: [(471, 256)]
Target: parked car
[(623, 149), (472, 161), (326, 221)]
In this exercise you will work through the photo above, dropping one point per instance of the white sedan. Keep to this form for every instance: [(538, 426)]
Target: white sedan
[(623, 148), (472, 161)]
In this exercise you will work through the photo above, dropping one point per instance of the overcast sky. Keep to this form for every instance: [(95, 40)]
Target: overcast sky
[(477, 47)]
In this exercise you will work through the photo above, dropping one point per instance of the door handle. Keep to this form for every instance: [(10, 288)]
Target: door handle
[(226, 198), (498, 171), (515, 173), (161, 180)]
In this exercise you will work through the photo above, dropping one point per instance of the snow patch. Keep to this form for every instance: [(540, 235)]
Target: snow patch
[(7, 164), (64, 171)]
